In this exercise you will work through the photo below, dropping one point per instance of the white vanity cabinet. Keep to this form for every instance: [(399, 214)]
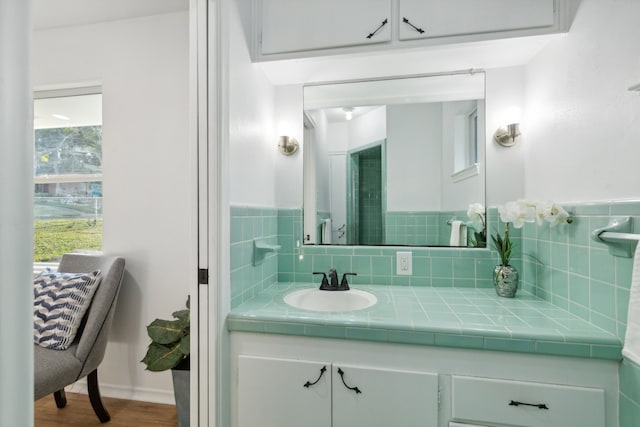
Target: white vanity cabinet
[(421, 19), (279, 392), (412, 385), (294, 25)]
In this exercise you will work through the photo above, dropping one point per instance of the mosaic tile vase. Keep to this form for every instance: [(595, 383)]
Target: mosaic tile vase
[(505, 280)]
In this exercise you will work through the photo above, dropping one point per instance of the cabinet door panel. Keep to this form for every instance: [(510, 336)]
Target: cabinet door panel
[(295, 25), (386, 398), (271, 393), (441, 18)]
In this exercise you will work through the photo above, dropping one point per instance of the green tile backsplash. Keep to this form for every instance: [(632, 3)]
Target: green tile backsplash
[(565, 266), (247, 224), (629, 394)]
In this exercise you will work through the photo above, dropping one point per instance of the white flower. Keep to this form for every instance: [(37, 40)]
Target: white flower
[(522, 211), (518, 212), (476, 212), (555, 214)]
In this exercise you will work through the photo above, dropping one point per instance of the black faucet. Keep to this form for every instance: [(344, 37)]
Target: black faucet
[(325, 285)]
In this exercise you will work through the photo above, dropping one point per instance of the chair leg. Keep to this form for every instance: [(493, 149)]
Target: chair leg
[(94, 397), (61, 398)]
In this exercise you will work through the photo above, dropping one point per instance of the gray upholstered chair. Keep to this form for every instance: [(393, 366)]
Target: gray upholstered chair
[(55, 369)]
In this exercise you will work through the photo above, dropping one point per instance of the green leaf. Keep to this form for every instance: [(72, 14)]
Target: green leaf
[(183, 316), (185, 345), (162, 357), (165, 331)]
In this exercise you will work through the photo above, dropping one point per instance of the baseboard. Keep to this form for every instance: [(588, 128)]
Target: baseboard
[(129, 393)]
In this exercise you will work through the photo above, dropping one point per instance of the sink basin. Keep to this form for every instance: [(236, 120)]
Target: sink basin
[(317, 300)]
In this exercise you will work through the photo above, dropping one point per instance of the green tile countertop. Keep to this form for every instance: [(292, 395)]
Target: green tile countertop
[(446, 317)]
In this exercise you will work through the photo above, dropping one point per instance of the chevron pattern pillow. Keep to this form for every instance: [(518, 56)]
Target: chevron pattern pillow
[(59, 304)]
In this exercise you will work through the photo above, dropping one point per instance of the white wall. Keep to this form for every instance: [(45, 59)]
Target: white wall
[(582, 125), (142, 65), (368, 128), (414, 156), (505, 165), (288, 111), (253, 128)]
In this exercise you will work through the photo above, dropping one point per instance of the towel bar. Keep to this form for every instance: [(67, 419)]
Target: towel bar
[(617, 235)]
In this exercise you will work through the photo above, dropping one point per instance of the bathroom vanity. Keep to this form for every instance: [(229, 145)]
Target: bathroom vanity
[(420, 357)]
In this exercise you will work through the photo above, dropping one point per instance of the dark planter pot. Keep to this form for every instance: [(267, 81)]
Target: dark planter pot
[(180, 376)]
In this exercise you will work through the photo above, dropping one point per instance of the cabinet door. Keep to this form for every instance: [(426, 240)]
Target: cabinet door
[(380, 397), (295, 25), (441, 18), (272, 393)]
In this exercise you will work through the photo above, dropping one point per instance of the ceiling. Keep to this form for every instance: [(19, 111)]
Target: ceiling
[(49, 14)]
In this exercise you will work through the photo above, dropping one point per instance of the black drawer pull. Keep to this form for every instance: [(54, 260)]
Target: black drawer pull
[(536, 405), (378, 29), (309, 383), (406, 21), (355, 389)]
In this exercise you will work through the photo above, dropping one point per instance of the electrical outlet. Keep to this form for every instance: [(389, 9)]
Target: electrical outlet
[(404, 264)]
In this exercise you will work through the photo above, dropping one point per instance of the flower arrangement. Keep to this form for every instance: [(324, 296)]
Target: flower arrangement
[(522, 211), (476, 214)]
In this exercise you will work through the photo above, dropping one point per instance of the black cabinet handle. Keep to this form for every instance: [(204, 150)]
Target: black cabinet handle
[(406, 21), (536, 405), (355, 389), (309, 383), (385, 22)]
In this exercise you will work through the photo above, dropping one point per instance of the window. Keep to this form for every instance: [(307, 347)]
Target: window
[(68, 172)]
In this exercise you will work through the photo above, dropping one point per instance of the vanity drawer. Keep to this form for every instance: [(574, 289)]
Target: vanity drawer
[(516, 403)]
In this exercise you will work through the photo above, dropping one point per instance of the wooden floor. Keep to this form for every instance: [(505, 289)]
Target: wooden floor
[(124, 413)]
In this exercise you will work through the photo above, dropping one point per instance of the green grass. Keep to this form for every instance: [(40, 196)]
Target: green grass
[(52, 238)]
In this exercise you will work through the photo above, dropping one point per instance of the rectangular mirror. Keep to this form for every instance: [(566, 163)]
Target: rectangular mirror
[(395, 161)]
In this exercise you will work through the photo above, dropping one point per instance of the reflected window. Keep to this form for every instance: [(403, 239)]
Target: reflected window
[(68, 173)]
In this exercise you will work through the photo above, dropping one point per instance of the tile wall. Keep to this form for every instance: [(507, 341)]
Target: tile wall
[(247, 224), (629, 394), (566, 267), (448, 267)]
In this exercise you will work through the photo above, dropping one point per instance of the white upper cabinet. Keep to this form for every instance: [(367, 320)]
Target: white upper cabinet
[(288, 29), (294, 25), (420, 19)]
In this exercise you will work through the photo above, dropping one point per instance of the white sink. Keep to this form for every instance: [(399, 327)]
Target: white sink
[(317, 300)]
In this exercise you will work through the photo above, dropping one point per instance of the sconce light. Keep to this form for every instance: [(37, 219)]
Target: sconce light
[(348, 113), (509, 135), (287, 145)]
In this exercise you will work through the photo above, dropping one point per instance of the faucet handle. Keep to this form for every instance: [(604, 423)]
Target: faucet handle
[(344, 282), (325, 282)]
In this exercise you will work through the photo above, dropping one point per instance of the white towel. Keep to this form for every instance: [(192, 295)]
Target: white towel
[(631, 348), (326, 231), (458, 234)]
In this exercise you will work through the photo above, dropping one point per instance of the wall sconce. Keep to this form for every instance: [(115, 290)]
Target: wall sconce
[(508, 136), (287, 145)]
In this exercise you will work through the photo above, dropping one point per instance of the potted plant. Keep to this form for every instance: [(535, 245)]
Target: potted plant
[(505, 276), (169, 349)]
